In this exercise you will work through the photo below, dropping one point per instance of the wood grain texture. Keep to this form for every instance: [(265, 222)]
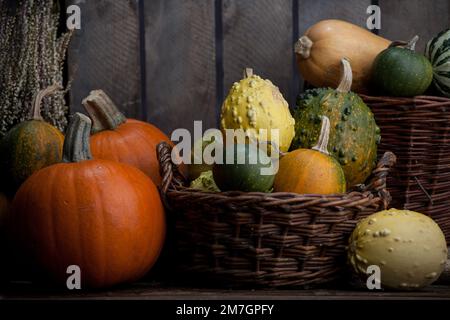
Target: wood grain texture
[(180, 58), (104, 54), (402, 19), (258, 34), (312, 11), (159, 291)]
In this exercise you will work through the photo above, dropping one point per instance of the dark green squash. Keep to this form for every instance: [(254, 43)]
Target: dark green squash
[(29, 146), (247, 176), (400, 71), (354, 134)]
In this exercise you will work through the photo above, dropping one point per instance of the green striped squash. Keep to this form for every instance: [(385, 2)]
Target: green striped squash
[(438, 52)]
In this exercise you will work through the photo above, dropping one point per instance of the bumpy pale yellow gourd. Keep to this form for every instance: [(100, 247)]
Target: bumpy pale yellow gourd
[(407, 246), (254, 103)]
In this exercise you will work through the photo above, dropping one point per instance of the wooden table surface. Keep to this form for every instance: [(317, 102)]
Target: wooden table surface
[(155, 291)]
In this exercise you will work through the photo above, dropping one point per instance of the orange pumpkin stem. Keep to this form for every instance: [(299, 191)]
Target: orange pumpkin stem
[(322, 144), (104, 113), (37, 104), (346, 76), (76, 144)]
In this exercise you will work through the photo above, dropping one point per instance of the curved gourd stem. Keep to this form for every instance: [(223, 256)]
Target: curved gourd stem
[(37, 103), (248, 72), (104, 113), (303, 47), (346, 76), (411, 44), (76, 144), (322, 144)]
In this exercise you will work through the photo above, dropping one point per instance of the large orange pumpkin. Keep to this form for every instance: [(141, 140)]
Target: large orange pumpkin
[(311, 171), (114, 137), (104, 216)]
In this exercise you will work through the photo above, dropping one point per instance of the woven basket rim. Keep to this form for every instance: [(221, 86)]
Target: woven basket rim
[(421, 102), (174, 183)]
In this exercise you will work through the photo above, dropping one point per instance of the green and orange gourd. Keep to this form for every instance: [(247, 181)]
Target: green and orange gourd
[(354, 134), (311, 171), (29, 146)]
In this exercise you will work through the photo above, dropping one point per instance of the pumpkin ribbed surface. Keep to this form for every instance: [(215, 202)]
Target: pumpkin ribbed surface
[(307, 171), (133, 142), (116, 138), (26, 148), (103, 216)]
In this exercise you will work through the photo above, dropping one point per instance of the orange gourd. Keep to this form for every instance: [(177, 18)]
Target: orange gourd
[(320, 50), (114, 137), (105, 217), (311, 171)]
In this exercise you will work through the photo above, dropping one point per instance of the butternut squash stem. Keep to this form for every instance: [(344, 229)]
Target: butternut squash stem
[(303, 47), (322, 144), (37, 103), (76, 144), (248, 72), (104, 113), (345, 83)]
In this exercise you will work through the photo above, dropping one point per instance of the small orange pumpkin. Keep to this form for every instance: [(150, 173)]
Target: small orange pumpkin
[(311, 171), (105, 217), (114, 137)]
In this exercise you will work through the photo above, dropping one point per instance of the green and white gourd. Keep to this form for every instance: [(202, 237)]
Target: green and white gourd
[(438, 52)]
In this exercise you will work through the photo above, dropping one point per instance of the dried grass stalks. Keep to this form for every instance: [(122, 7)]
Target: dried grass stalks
[(31, 58)]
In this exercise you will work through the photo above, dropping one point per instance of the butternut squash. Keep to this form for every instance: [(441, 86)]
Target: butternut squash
[(320, 50)]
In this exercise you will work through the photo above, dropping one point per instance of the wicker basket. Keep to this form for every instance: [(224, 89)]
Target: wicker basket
[(418, 131), (266, 239)]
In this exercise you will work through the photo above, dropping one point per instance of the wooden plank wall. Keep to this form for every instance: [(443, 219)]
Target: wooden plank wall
[(180, 63), (171, 62), (104, 54), (258, 34), (402, 19)]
